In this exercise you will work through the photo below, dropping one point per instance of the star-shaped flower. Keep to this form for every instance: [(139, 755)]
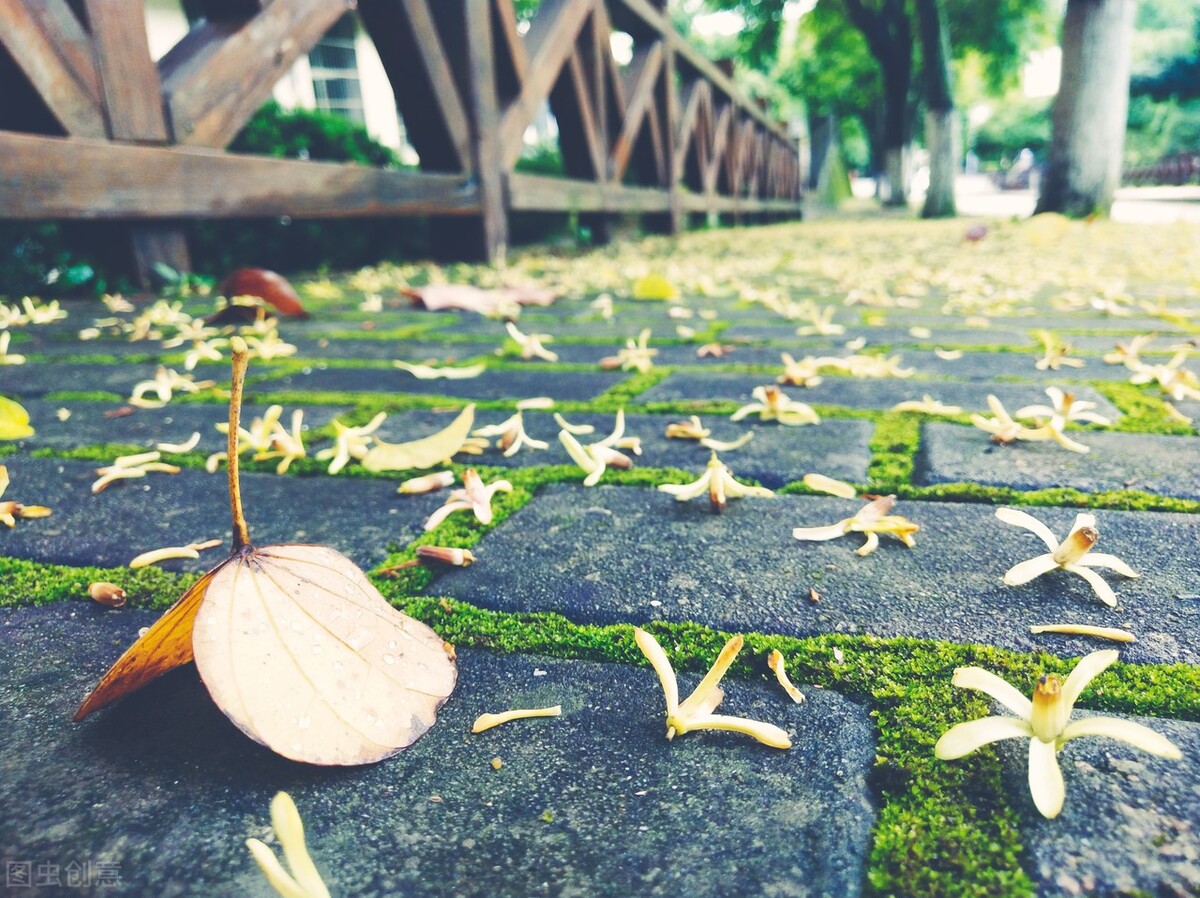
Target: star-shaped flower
[(774, 405), (596, 457), (285, 445), (718, 482), (803, 373), (512, 434), (1065, 408), (351, 442), (304, 881), (1072, 554), (1129, 354), (128, 467), (1046, 723), (1055, 353), (636, 356), (473, 496), (166, 381), (821, 324), (1173, 379), (1003, 428), (696, 711), (872, 519), (532, 345)]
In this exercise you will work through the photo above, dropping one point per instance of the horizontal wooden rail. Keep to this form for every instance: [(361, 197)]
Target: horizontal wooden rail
[(50, 177), (665, 135)]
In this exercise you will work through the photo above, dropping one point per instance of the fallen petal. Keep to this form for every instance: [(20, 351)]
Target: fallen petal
[(487, 721)]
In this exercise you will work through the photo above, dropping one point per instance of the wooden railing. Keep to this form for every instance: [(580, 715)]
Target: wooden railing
[(1177, 169), (92, 128)]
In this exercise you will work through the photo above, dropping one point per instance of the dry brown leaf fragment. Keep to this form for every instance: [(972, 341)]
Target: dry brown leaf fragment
[(295, 646), (107, 594), (487, 721), (813, 595)]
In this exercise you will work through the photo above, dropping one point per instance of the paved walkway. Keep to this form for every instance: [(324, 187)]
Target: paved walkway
[(157, 794)]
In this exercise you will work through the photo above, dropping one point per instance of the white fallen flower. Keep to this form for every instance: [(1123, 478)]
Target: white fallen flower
[(717, 480), (696, 711), (128, 467), (532, 345), (349, 442), (575, 429), (636, 356), (821, 324), (1055, 353), (1065, 408), (948, 355), (511, 432), (304, 881), (597, 457), (803, 373), (926, 405), (1003, 428), (428, 372), (487, 720), (42, 313), (1046, 723), (1129, 354), (823, 484), (872, 519), (1172, 378), (774, 405), (1072, 554), (269, 345), (286, 445), (6, 357), (187, 446), (474, 497), (163, 386), (727, 445), (691, 429), (776, 663)]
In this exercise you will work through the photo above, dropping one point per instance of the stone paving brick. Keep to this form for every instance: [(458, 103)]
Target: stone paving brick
[(358, 517), (32, 379), (986, 366), (175, 423), (596, 802), (1155, 463), (1128, 826), (609, 555), (439, 351), (775, 456), (494, 384), (878, 394)]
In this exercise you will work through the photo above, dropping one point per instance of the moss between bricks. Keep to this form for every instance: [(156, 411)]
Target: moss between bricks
[(943, 828)]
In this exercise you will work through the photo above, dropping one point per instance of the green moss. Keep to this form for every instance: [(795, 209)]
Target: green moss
[(1141, 410), (30, 583), (83, 396), (893, 448), (623, 393)]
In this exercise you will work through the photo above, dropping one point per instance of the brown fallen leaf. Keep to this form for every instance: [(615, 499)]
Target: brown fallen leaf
[(295, 645), (436, 297), (268, 286)]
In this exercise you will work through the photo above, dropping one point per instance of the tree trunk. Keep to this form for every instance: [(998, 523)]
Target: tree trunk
[(887, 33), (940, 121), (1084, 165)]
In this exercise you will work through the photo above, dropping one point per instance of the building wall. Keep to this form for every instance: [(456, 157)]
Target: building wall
[(166, 24)]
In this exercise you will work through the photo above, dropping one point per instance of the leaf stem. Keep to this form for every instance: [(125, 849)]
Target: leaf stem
[(241, 360)]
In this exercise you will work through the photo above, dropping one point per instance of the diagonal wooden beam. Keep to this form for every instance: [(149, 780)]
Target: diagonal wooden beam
[(51, 48), (644, 71), (551, 39), (571, 102), (694, 96), (441, 78), (221, 73), (720, 138), (128, 78)]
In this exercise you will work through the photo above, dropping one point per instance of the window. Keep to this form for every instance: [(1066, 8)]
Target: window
[(335, 72)]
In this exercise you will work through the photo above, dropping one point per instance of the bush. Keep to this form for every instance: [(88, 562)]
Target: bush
[(1014, 126)]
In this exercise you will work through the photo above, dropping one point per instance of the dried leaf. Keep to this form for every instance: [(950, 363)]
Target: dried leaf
[(266, 285), (423, 453), (295, 645), (14, 421), (436, 297)]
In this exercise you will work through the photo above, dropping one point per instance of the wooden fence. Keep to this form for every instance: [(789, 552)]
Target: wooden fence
[(1179, 169), (91, 127)]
